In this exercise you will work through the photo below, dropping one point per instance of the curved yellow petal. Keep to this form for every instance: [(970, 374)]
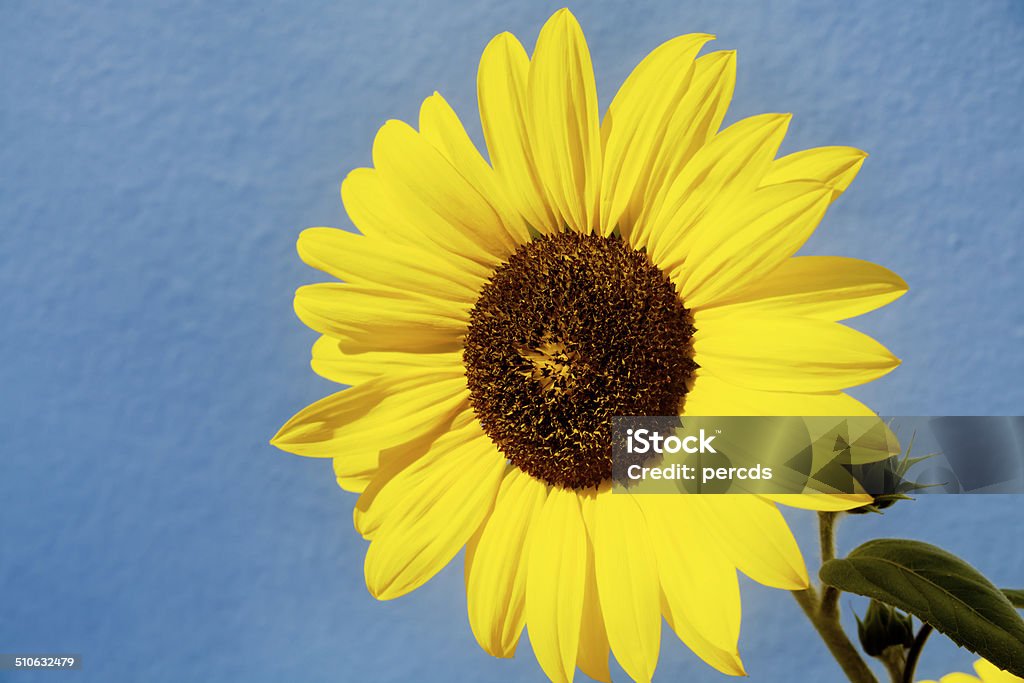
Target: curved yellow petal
[(695, 121), (374, 213), (364, 470), (627, 582), (436, 199), (779, 353), (371, 205), (824, 502), (363, 317), (990, 673), (496, 565), (834, 166), (751, 242), (728, 167), (331, 362), (556, 584), (440, 125), (378, 499), (448, 494), (826, 287), (378, 414), (726, 661), (384, 263), (696, 578), (754, 536), (562, 120), (592, 658), (501, 92), (634, 127), (958, 677), (713, 397)]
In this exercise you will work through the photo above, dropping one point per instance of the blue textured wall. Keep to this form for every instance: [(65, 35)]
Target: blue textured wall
[(157, 163)]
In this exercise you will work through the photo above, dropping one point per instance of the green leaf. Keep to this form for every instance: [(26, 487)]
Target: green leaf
[(940, 589), (1015, 596)]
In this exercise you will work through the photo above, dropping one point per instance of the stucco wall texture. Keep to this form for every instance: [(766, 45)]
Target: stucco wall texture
[(158, 162)]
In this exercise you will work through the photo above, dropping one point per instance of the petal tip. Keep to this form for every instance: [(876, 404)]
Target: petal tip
[(383, 593), (900, 285), (733, 666), (503, 38), (278, 440)]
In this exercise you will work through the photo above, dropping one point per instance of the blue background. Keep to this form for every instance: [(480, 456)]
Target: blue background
[(158, 161)]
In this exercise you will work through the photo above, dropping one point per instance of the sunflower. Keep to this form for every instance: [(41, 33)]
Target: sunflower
[(493, 316), (987, 673)]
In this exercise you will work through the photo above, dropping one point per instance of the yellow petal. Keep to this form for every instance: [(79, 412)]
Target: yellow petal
[(726, 661), (695, 121), (834, 166), (627, 582), (592, 658), (827, 287), (370, 318), (385, 263), (635, 125), (496, 566), (778, 353), (990, 673), (331, 362), (755, 538), (436, 199), (372, 210), (501, 91), (962, 678), (825, 502), (379, 499), (713, 397), (751, 242), (378, 414), (726, 168), (696, 578), (371, 206), (563, 121), (441, 127), (448, 493), (556, 584)]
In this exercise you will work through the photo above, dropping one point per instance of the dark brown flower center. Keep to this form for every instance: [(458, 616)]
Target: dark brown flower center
[(570, 331)]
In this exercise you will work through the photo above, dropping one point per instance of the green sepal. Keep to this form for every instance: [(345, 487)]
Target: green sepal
[(883, 627)]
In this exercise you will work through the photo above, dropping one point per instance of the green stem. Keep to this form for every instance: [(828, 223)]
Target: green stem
[(823, 613), (835, 638), (827, 535), (895, 663), (827, 539), (915, 652)]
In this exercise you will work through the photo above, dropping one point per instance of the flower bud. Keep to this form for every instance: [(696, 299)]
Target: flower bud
[(883, 627)]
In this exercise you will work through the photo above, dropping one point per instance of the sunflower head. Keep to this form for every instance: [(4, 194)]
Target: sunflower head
[(570, 331), (495, 314)]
